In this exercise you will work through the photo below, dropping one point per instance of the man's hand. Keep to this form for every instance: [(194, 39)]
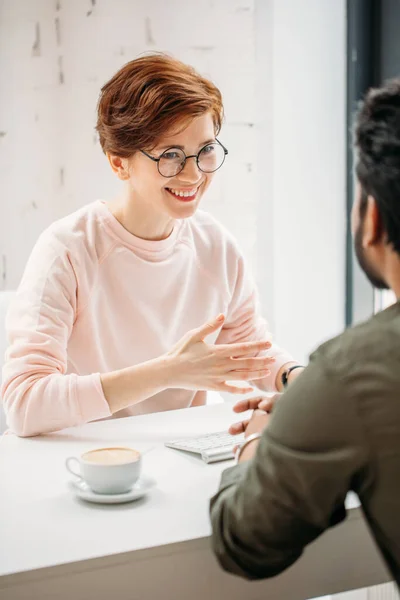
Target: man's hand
[(256, 424), (258, 402)]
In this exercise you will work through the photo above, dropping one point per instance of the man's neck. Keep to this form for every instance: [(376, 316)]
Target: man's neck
[(392, 275)]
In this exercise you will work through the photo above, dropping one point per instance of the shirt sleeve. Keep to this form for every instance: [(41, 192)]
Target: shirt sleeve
[(312, 452), (244, 323), (38, 394)]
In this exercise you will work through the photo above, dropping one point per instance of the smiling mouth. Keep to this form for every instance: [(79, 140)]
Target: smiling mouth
[(187, 195)]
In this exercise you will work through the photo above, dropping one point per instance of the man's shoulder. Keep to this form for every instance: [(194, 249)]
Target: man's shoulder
[(363, 345)]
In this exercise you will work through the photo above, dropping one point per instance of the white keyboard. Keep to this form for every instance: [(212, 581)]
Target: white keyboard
[(212, 447)]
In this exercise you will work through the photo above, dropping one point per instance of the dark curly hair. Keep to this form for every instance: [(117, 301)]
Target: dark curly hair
[(377, 140)]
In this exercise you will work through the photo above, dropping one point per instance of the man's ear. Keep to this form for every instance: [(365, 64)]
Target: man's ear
[(119, 165), (372, 224)]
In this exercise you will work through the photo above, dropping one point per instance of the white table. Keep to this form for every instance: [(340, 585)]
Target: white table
[(54, 546)]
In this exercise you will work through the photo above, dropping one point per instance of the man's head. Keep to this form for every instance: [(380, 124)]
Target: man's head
[(376, 211)]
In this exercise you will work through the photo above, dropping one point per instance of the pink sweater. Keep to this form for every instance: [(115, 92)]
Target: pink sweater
[(94, 298)]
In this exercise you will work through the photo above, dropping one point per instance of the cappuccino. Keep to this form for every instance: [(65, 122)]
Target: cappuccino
[(107, 470), (111, 456)]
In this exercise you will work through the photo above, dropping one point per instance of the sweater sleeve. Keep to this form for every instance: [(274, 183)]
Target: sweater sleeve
[(244, 323), (38, 394)]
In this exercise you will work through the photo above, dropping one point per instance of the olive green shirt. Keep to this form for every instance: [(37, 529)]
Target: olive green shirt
[(336, 429)]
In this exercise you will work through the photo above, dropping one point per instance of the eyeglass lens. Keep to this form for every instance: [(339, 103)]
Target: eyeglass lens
[(209, 159)]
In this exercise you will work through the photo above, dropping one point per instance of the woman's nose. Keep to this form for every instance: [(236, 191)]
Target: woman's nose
[(191, 172)]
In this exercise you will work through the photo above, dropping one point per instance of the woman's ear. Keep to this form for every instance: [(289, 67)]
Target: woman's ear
[(119, 165)]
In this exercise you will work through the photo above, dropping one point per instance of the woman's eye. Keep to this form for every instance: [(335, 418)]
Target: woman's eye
[(208, 149), (172, 155)]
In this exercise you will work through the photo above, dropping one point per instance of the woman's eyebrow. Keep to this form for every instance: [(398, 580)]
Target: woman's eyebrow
[(165, 147)]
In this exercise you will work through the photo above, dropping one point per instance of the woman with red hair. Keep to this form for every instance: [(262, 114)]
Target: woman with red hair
[(142, 303)]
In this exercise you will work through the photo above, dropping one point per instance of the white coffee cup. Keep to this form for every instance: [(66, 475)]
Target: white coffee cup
[(107, 470)]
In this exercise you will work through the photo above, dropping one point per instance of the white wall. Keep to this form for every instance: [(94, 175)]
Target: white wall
[(280, 65), (55, 56), (302, 183)]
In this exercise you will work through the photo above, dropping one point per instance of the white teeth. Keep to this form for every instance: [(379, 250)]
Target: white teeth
[(186, 194)]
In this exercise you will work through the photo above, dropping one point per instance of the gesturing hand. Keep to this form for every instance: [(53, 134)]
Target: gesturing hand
[(201, 366)]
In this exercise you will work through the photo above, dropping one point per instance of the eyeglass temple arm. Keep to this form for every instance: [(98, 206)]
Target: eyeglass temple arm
[(222, 146), (149, 156)]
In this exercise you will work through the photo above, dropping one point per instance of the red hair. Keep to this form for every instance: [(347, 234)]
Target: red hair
[(147, 98)]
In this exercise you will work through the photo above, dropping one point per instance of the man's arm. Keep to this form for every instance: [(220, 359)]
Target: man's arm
[(269, 508)]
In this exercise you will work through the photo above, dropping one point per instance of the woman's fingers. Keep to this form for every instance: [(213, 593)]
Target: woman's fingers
[(198, 335), (248, 369), (248, 375), (230, 350), (233, 389), (257, 362)]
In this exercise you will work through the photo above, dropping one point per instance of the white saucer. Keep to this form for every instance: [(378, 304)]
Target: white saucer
[(140, 489)]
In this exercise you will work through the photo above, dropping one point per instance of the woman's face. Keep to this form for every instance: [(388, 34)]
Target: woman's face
[(162, 194)]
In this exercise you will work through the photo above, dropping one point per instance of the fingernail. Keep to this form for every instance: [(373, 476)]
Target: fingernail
[(220, 317)]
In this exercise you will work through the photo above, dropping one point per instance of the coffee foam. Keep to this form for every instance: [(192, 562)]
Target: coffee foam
[(111, 456)]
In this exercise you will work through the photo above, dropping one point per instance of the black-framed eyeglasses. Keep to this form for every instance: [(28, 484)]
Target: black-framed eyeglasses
[(173, 160)]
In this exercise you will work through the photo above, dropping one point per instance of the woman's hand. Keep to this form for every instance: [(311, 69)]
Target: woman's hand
[(196, 365)]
